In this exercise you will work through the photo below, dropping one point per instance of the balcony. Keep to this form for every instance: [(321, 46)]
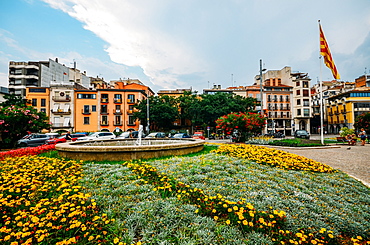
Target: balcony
[(61, 125), (104, 123), (117, 112), (61, 98), (104, 112), (117, 123), (117, 101), (105, 100), (130, 112), (86, 112), (61, 111), (129, 101), (131, 124)]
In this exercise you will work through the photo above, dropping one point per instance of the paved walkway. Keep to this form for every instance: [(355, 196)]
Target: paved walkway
[(354, 161)]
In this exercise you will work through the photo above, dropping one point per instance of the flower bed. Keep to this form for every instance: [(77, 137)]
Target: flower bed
[(41, 201), (273, 157), (26, 151)]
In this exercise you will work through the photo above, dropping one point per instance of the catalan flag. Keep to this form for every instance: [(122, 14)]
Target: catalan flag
[(325, 52)]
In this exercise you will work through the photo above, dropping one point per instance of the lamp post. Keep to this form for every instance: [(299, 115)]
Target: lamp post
[(147, 113), (261, 92)]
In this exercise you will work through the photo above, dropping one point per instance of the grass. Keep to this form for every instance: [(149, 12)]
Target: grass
[(172, 200), (297, 142)]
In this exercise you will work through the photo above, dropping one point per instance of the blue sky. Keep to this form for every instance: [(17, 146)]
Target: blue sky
[(186, 44)]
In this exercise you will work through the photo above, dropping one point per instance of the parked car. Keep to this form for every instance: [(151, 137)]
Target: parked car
[(198, 135), (304, 134), (181, 136), (124, 135), (98, 136), (156, 135), (62, 139), (36, 139)]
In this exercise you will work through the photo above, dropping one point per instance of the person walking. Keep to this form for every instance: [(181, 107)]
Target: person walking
[(68, 136), (362, 136)]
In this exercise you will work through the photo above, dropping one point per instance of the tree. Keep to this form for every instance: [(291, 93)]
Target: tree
[(163, 111), (213, 106), (243, 125), (363, 121), (13, 99), (16, 121)]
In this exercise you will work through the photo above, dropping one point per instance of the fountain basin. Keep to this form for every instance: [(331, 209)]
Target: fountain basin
[(126, 149)]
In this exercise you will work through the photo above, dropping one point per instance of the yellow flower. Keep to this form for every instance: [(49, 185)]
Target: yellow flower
[(228, 222), (215, 217), (115, 240)]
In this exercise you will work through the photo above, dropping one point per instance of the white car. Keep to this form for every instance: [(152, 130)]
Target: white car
[(98, 136)]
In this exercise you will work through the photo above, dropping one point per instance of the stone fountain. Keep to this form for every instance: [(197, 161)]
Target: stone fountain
[(128, 149)]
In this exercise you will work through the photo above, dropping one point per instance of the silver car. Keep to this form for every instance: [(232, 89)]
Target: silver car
[(98, 136)]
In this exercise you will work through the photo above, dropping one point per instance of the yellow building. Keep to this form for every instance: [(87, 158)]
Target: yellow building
[(38, 97), (86, 111), (342, 109)]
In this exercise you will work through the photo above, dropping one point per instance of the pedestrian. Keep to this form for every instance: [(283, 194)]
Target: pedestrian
[(68, 136), (362, 136)]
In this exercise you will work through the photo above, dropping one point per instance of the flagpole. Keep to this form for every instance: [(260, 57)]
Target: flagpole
[(321, 99)]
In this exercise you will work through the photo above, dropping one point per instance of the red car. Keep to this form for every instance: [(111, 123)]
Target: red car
[(62, 139), (198, 135)]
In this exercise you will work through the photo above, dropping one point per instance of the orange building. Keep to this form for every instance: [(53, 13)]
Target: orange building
[(109, 106)]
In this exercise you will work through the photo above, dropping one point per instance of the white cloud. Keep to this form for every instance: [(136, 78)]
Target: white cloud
[(210, 40), (134, 40)]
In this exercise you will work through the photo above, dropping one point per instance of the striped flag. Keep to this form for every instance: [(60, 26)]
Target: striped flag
[(325, 52)]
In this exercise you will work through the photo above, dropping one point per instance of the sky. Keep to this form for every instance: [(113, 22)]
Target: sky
[(187, 44)]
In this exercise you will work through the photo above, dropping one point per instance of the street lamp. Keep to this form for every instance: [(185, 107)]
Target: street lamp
[(261, 70)]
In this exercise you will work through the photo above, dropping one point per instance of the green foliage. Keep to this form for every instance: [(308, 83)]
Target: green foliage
[(18, 120), (244, 123), (363, 121), (346, 131), (199, 110), (163, 112), (12, 99), (296, 143)]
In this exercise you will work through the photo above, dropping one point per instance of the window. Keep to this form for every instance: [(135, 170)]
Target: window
[(131, 120), (306, 102), (131, 98), (104, 98), (104, 120), (269, 98), (37, 90), (86, 96), (281, 106), (298, 102), (297, 84), (104, 109), (117, 98), (86, 109), (117, 120), (287, 98), (299, 112), (275, 97), (306, 112), (86, 120), (43, 110), (298, 92), (43, 102), (93, 108), (34, 102), (305, 92), (281, 98), (305, 84)]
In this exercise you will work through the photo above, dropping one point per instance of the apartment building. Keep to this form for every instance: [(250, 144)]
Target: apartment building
[(41, 74), (286, 100), (330, 88), (109, 107), (344, 107)]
